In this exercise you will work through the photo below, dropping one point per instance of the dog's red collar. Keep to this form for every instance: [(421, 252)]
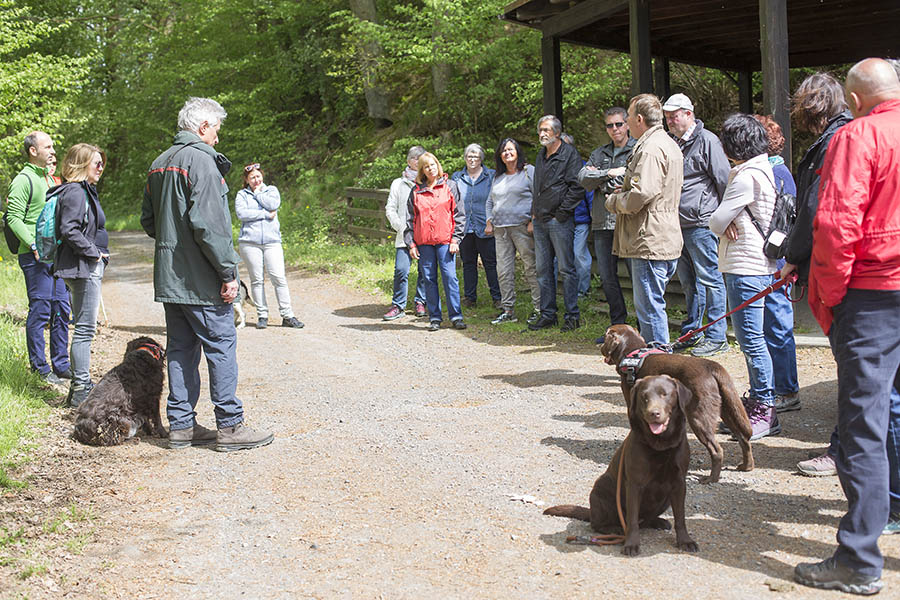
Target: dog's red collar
[(155, 351), (632, 362)]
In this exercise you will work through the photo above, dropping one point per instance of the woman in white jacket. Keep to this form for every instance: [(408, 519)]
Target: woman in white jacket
[(256, 206), (749, 196)]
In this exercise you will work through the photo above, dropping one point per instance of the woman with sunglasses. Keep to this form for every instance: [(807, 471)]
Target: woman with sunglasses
[(82, 255), (256, 206)]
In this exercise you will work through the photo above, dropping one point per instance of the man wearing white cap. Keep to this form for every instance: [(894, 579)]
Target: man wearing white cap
[(705, 176)]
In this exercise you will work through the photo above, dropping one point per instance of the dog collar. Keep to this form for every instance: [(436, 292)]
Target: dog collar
[(153, 350), (632, 362)]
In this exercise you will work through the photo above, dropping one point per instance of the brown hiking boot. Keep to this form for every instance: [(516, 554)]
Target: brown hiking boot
[(240, 437), (198, 435)]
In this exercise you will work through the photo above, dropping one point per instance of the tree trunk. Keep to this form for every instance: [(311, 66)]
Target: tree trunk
[(378, 99)]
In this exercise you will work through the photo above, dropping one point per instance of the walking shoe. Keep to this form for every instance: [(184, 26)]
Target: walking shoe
[(420, 310), (830, 575), (52, 378), (497, 304), (459, 324), (763, 421), (542, 323), (262, 323), (469, 302), (893, 524), (198, 435), (241, 437), (434, 326), (395, 313), (78, 393), (507, 316), (570, 324), (67, 374), (292, 322), (787, 402), (534, 318), (709, 348), (688, 343), (820, 466)]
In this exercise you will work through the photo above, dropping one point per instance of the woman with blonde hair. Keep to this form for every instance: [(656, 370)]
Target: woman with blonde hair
[(434, 227), (82, 255)]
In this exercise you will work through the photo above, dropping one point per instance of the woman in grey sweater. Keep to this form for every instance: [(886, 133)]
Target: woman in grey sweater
[(508, 211)]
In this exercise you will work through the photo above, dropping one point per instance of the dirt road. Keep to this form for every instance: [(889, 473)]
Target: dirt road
[(398, 458)]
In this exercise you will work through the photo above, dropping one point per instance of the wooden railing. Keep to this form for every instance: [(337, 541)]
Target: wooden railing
[(370, 222)]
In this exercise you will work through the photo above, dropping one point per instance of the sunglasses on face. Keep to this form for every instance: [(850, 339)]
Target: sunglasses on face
[(617, 124), (249, 168)]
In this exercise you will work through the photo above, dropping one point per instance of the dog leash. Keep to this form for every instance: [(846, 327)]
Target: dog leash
[(608, 539), (780, 284)]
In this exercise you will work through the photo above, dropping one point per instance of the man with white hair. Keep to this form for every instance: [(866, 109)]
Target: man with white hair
[(706, 172), (854, 293), (195, 277)]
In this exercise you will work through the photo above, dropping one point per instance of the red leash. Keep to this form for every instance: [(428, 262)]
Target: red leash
[(780, 284)]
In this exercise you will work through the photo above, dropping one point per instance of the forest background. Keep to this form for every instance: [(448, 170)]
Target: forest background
[(323, 93)]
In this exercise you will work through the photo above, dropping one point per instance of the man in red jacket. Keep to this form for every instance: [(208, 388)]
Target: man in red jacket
[(854, 292)]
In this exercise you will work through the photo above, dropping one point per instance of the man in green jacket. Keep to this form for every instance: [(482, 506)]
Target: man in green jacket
[(48, 298), (195, 277)]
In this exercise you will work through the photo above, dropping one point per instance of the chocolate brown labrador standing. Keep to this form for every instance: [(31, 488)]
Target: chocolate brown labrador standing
[(655, 458), (713, 393)]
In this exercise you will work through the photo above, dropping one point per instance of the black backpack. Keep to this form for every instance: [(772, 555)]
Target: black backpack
[(784, 215)]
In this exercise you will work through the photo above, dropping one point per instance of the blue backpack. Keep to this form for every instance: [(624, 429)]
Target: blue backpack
[(46, 233)]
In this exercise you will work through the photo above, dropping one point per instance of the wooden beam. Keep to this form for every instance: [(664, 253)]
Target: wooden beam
[(773, 45), (745, 91), (662, 82), (551, 73), (639, 43), (581, 15)]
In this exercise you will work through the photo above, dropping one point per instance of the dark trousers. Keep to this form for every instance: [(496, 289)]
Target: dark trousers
[(470, 248), (190, 329), (866, 343), (608, 269), (48, 302)]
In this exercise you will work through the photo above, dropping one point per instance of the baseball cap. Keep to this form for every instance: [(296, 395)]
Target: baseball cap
[(678, 101)]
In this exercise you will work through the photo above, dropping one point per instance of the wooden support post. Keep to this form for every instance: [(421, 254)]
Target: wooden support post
[(551, 72), (745, 91), (639, 42), (773, 45), (662, 84)]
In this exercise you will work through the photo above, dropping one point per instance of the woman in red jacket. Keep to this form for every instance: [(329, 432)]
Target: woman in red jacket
[(434, 228)]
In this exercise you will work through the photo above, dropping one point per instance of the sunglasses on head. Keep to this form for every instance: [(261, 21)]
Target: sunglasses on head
[(617, 124), (249, 168)]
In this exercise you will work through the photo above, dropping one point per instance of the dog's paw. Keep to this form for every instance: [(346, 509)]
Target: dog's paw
[(659, 523), (631, 549), (240, 325), (688, 545)]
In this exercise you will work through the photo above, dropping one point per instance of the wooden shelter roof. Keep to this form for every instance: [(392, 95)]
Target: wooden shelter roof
[(723, 33)]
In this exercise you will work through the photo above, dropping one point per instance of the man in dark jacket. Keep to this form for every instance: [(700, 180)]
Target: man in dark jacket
[(195, 277), (604, 172), (706, 171), (556, 194)]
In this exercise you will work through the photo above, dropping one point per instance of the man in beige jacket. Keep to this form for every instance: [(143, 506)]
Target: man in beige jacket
[(648, 232)]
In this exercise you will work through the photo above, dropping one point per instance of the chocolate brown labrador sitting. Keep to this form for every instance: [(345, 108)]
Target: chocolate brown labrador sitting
[(712, 390), (654, 459)]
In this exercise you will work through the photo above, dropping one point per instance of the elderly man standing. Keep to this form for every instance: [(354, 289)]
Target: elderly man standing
[(646, 209), (854, 291), (706, 172), (556, 194), (195, 277), (48, 298), (395, 210)]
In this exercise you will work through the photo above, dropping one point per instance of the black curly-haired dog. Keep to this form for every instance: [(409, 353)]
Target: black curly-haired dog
[(126, 400)]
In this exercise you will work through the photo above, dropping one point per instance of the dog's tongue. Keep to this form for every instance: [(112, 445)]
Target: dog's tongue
[(658, 428)]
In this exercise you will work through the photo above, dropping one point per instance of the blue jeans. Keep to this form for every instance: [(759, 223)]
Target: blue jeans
[(865, 339), (608, 269), (190, 328), (431, 259), (748, 324), (704, 291), (555, 239), (582, 258), (649, 279), (85, 305), (48, 302), (470, 248), (402, 262), (778, 325)]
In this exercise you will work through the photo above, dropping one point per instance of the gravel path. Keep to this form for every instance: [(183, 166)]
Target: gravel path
[(398, 460)]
